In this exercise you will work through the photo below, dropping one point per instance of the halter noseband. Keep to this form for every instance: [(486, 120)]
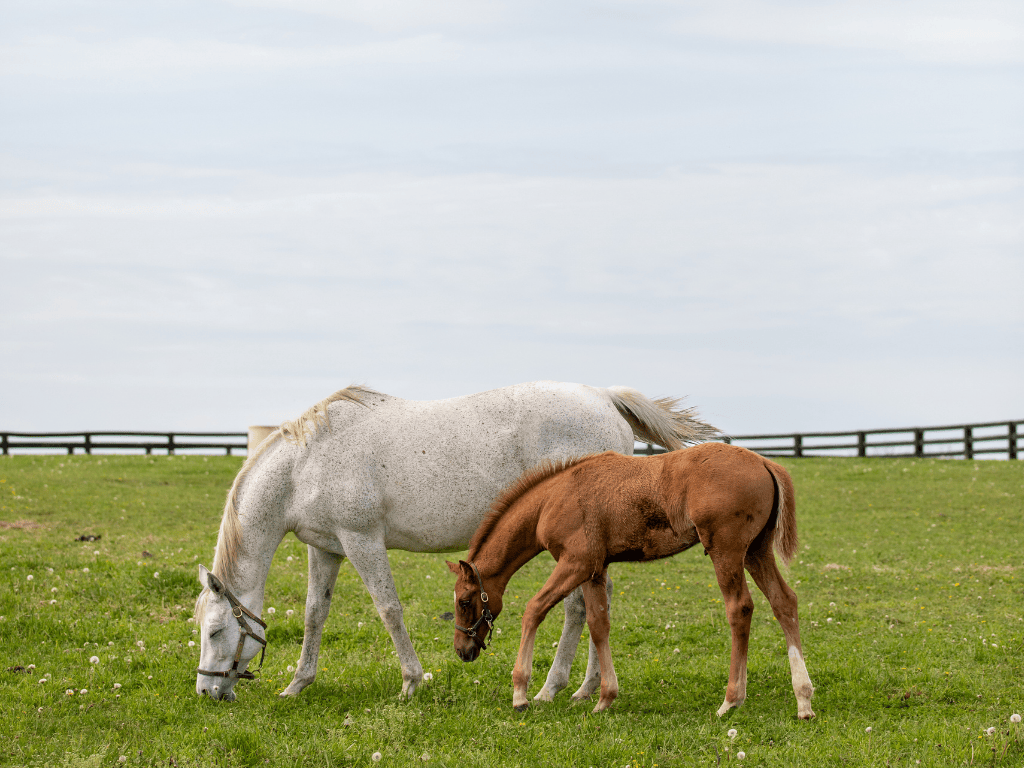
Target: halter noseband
[(485, 617), (239, 611)]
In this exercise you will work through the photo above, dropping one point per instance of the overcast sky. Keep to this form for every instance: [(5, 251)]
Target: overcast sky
[(801, 215)]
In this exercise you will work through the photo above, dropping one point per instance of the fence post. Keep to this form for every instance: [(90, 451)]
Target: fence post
[(968, 443), (919, 442), (798, 445), (1011, 435), (862, 444), (170, 445), (5, 441), (727, 440), (88, 444)]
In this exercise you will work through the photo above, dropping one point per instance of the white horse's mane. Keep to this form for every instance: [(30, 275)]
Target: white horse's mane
[(299, 431)]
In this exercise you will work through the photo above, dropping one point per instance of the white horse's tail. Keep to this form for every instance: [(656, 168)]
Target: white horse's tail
[(660, 421)]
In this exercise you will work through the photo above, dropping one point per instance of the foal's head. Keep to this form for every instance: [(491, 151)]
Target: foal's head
[(476, 608)]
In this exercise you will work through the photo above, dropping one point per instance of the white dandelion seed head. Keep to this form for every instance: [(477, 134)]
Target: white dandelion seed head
[(43, 680), (428, 676), (53, 589), (95, 551), (31, 667), (271, 610), (116, 686), (476, 682), (741, 755), (29, 577), (554, 644), (53, 602), (359, 623), (94, 659), (291, 668), (289, 612), (991, 731), (425, 757), (83, 692), (1014, 718), (122, 759), (868, 729), (376, 756), (732, 733), (156, 574), (140, 643), (85, 570), (191, 643)]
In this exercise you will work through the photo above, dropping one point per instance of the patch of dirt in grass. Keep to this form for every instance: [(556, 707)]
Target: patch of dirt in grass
[(21, 525)]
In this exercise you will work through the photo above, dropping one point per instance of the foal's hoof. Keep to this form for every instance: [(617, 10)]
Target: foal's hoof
[(522, 707), (806, 715)]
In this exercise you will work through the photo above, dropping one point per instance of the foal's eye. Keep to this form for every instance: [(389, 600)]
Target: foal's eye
[(464, 604)]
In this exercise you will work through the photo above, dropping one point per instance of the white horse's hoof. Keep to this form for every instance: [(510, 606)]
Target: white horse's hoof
[(544, 695)]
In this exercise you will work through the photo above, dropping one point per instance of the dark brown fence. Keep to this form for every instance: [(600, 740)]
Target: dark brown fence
[(994, 439), (122, 442)]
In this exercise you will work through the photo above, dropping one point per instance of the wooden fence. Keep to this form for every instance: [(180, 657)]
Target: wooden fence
[(996, 439), (122, 442)]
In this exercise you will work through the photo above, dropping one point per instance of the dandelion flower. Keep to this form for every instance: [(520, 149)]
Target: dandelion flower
[(156, 574), (83, 692), (376, 756), (428, 676), (741, 755), (140, 643), (116, 686), (425, 757), (53, 602), (271, 610), (1014, 718), (191, 643), (290, 558), (732, 733), (476, 682), (868, 729), (29, 577), (991, 731), (85, 570), (94, 659), (359, 623), (122, 759), (289, 612), (53, 589), (291, 668), (554, 644), (33, 666), (42, 681)]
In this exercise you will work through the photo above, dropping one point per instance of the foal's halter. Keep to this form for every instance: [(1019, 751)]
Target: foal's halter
[(485, 618), (239, 611)]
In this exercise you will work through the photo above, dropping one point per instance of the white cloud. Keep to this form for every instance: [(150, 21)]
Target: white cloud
[(135, 58), (941, 32), (391, 15)]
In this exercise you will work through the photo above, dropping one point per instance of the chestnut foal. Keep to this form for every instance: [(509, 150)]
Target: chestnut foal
[(608, 508)]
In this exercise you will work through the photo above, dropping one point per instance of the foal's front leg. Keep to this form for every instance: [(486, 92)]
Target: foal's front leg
[(599, 621), (563, 580)]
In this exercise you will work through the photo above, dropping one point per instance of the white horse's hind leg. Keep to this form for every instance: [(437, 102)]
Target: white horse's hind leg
[(572, 629), (370, 559), (323, 573)]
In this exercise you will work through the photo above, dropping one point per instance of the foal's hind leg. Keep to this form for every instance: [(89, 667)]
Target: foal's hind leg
[(323, 573), (739, 606), (761, 564), (596, 595)]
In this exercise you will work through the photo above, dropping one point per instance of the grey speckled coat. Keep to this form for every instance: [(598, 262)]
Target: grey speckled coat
[(365, 472)]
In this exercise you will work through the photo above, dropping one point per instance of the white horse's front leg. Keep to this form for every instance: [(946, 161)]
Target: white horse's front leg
[(323, 573), (370, 558)]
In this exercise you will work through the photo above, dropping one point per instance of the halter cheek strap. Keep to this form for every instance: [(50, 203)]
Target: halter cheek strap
[(485, 618), (240, 612)]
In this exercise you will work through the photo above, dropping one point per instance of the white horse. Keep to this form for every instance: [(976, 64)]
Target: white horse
[(361, 472)]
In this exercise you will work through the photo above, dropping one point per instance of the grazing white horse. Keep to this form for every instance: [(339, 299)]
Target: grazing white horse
[(361, 472)]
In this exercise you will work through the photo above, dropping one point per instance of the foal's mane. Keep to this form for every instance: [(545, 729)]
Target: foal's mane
[(515, 491), (299, 432)]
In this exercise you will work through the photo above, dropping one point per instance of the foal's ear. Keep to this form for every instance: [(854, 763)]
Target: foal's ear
[(452, 567)]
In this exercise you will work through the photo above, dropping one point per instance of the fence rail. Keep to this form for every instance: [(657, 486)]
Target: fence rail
[(994, 439), (122, 442)]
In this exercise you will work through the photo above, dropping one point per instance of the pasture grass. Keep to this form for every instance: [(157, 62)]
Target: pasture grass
[(911, 616)]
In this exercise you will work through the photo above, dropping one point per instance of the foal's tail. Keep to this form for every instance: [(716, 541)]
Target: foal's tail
[(784, 538), (660, 421)]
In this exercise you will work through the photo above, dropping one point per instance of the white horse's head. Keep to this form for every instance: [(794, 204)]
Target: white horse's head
[(230, 637)]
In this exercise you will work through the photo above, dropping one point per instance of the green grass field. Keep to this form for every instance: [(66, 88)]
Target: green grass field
[(909, 578)]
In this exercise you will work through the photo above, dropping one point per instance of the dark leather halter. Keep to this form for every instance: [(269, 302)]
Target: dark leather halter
[(239, 611), (485, 618)]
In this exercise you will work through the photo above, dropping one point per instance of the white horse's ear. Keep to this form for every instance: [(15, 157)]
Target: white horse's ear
[(209, 581), (452, 567)]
